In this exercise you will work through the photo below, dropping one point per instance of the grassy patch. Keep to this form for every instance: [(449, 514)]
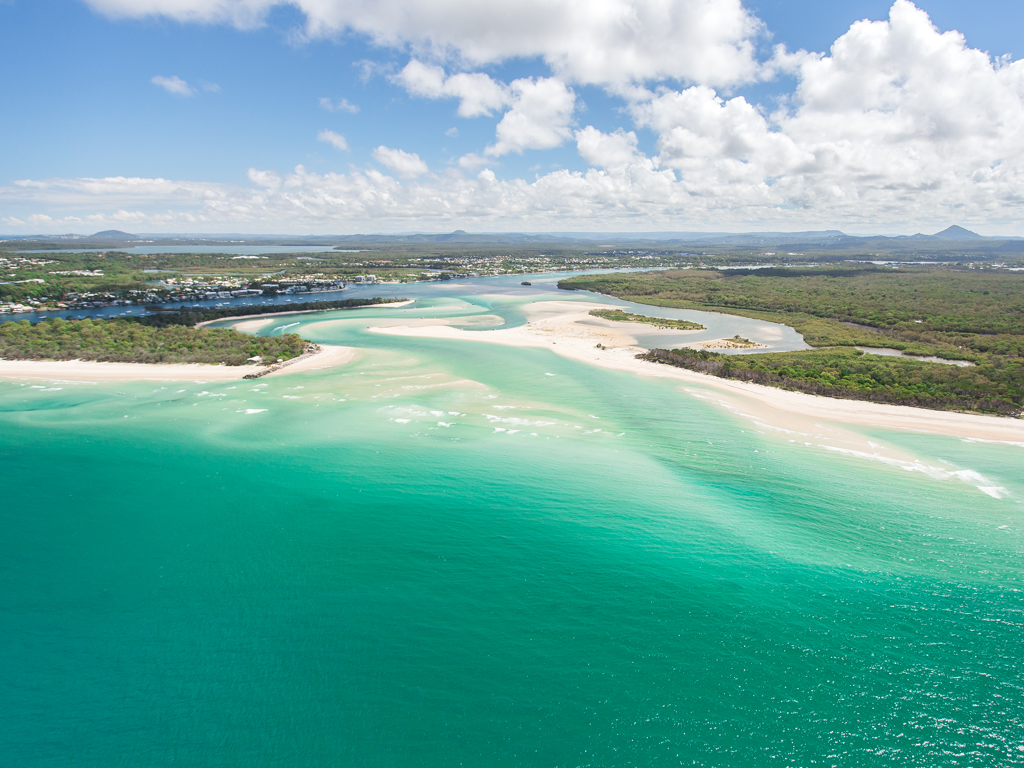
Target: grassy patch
[(658, 322)]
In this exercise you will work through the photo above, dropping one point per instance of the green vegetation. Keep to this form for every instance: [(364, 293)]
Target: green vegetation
[(166, 337), (125, 340), (992, 387), (59, 279), (974, 315), (947, 313), (658, 322)]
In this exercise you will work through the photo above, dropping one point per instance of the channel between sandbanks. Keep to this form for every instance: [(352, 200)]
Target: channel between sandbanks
[(567, 329)]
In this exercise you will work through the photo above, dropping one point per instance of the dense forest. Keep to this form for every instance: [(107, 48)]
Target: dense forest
[(974, 315), (996, 387), (125, 340), (924, 311), (165, 337)]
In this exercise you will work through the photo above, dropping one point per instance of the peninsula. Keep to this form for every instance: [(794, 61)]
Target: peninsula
[(165, 339), (971, 317), (621, 316)]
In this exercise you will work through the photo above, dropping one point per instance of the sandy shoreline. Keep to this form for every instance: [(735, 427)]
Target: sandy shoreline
[(90, 371), (390, 305), (567, 328), (559, 326)]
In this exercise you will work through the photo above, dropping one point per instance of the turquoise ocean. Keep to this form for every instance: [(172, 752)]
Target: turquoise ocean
[(462, 554)]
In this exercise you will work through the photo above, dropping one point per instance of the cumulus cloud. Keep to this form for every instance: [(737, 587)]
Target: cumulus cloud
[(898, 117), (610, 42), (173, 85), (478, 94), (341, 105), (899, 125), (541, 109), (607, 150), (472, 161), (269, 179), (540, 117), (336, 140), (406, 164)]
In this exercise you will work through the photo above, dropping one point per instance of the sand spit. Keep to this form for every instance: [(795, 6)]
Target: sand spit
[(567, 329), (89, 371), (393, 305), (725, 344)]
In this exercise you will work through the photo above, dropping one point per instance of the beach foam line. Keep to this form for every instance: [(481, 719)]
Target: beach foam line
[(968, 476)]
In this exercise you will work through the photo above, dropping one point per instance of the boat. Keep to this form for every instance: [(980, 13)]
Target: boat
[(526, 282)]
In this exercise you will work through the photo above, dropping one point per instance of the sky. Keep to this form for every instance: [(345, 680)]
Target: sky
[(349, 116)]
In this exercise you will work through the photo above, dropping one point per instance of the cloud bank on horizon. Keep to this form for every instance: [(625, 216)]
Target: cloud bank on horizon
[(899, 124)]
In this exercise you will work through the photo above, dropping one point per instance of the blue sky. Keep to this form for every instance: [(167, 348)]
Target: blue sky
[(78, 83)]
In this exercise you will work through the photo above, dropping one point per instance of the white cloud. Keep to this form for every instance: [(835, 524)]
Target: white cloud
[(341, 105), (173, 85), (607, 150), (611, 42), (336, 140), (452, 132), (406, 164), (477, 92), (541, 109), (269, 179), (899, 120), (472, 161), (539, 119), (899, 126)]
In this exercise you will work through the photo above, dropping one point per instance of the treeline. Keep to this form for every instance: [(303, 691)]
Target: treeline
[(974, 315), (949, 313), (127, 340), (933, 308), (993, 387), (194, 316)]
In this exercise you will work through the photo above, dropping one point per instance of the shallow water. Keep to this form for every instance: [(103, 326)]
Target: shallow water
[(886, 352), (454, 553)]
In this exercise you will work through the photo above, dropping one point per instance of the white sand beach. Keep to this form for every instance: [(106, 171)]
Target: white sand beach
[(89, 371), (568, 329)]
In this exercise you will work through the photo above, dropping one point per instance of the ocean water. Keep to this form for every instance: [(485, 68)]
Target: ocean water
[(449, 554)]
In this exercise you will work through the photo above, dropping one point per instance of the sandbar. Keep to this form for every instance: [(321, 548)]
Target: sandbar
[(91, 371), (567, 329), (389, 305)]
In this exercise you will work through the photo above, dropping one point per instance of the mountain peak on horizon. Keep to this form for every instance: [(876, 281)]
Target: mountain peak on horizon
[(115, 234), (957, 232)]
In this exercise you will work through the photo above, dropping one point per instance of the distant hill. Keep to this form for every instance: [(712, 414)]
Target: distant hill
[(458, 236), (114, 234), (957, 233)]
